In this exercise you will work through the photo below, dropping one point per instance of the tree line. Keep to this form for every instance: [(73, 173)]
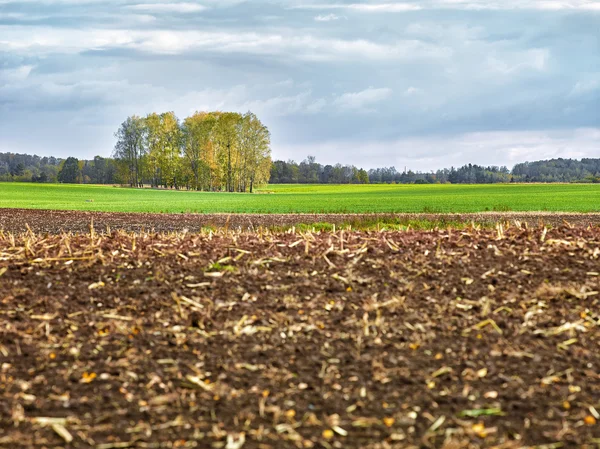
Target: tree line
[(100, 170), (555, 170), (311, 172), (211, 151), (16, 167), (558, 170)]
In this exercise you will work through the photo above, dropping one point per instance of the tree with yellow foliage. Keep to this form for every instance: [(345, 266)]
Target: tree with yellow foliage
[(212, 151)]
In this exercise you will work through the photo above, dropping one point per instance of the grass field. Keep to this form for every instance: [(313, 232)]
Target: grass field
[(310, 198)]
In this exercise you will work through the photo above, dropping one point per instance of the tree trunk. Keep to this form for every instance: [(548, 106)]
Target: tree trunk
[(229, 180)]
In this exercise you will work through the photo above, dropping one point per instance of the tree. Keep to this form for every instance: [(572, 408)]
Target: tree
[(255, 141), (227, 139), (363, 176), (130, 150), (153, 149), (198, 149), (208, 151), (18, 169), (69, 172), (170, 150), (41, 177)]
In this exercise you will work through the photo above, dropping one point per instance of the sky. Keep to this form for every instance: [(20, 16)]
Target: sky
[(417, 84)]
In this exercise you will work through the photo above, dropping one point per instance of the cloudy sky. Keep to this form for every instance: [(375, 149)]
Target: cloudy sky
[(423, 84)]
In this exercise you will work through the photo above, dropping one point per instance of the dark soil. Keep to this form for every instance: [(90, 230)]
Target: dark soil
[(54, 221), (287, 340)]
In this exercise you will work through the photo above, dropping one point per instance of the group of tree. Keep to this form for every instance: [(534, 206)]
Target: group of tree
[(212, 151), (558, 170), (474, 174), (311, 172), (27, 168), (555, 170), (98, 171), (210, 162)]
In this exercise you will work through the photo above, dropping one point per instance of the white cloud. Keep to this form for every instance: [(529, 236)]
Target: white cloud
[(327, 18), (384, 7), (586, 86), (39, 40), (167, 7), (370, 6), (533, 59), (432, 153), (244, 98), (412, 91), (361, 100), (49, 2), (584, 5), (364, 7), (15, 74), (316, 106)]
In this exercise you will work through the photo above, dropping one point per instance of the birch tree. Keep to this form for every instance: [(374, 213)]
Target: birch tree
[(227, 141), (130, 148), (198, 149), (207, 151), (256, 152)]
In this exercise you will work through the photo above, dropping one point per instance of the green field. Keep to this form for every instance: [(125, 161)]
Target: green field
[(310, 198)]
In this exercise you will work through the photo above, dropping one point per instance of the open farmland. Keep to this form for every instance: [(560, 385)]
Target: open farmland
[(310, 199), (57, 221), (473, 338)]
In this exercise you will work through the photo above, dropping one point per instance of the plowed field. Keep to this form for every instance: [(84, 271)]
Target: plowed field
[(55, 221), (275, 340)]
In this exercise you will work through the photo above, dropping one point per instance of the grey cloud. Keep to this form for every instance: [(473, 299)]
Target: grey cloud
[(469, 5), (364, 99), (172, 7), (486, 148), (429, 83)]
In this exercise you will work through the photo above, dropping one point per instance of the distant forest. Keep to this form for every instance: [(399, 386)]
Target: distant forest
[(100, 170), (554, 170)]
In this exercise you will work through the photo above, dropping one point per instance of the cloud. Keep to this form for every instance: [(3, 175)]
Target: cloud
[(473, 5), (411, 91), (50, 2), (327, 18), (553, 5), (15, 74), (384, 7), (430, 154), (316, 106), (447, 75), (163, 41), (363, 7), (586, 86), (361, 100), (533, 59), (167, 7)]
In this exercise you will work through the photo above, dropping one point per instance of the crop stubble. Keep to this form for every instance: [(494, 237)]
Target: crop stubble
[(477, 338), (56, 221)]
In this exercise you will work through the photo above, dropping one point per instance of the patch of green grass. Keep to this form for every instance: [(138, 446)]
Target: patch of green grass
[(310, 198), (382, 225), (220, 267)]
